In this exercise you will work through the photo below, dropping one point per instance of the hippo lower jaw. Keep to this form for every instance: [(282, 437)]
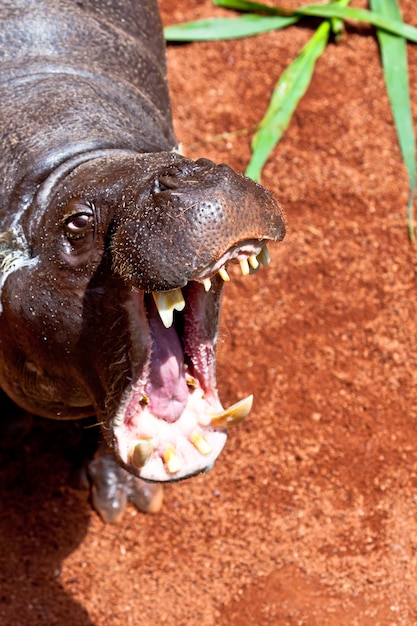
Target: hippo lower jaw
[(171, 424)]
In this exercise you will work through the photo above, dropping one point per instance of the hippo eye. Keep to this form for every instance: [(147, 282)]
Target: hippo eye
[(79, 225)]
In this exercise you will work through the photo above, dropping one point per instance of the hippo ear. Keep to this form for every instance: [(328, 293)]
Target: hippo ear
[(14, 252)]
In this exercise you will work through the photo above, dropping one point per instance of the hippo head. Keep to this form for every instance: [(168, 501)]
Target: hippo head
[(111, 293)]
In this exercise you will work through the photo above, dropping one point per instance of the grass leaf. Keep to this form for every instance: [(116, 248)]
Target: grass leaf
[(246, 5), (394, 63), (289, 89), (227, 28), (329, 10)]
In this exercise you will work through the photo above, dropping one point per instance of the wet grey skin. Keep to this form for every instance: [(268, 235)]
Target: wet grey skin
[(114, 248)]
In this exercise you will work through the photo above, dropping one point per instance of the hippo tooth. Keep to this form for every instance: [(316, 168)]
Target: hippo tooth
[(244, 266), (207, 284), (172, 460), (253, 262), (224, 275), (233, 415), (200, 442), (191, 381), (264, 257), (166, 302), (144, 400), (141, 452)]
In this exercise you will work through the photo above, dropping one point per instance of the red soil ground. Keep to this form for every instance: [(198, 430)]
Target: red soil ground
[(310, 516)]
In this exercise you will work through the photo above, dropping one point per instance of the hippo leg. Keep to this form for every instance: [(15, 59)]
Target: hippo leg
[(113, 487)]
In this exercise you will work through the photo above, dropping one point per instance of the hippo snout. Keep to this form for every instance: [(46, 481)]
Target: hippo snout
[(190, 220)]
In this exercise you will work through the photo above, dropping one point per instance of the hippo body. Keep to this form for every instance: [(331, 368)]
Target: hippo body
[(113, 247)]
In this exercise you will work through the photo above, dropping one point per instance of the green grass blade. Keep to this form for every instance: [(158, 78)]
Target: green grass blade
[(246, 5), (397, 27), (394, 63), (330, 10), (227, 28), (288, 91)]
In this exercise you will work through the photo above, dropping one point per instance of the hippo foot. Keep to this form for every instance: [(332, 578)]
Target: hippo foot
[(113, 487)]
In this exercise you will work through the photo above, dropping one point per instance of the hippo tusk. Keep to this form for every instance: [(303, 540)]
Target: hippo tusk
[(232, 416), (167, 302)]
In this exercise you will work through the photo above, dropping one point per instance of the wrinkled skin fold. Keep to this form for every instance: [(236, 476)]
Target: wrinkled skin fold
[(113, 248)]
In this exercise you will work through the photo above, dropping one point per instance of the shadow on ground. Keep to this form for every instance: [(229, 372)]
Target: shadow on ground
[(42, 521)]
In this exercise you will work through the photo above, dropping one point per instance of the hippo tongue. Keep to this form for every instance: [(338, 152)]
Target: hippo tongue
[(166, 388)]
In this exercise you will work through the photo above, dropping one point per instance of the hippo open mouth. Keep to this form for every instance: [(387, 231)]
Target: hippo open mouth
[(171, 423)]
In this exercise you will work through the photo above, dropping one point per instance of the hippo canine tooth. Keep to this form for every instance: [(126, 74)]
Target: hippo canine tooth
[(200, 442), (141, 452), (171, 459), (233, 415), (166, 302)]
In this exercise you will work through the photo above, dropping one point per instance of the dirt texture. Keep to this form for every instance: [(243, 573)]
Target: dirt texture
[(310, 515)]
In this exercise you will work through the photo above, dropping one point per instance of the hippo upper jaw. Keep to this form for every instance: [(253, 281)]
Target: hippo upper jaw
[(188, 220)]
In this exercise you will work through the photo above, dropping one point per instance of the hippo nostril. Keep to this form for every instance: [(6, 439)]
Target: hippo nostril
[(205, 163), (165, 183)]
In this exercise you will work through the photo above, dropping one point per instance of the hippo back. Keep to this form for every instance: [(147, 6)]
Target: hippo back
[(77, 76)]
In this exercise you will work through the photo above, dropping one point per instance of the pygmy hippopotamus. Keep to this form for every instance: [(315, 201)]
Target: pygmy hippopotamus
[(113, 247)]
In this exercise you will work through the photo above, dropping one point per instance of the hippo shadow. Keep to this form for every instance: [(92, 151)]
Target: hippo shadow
[(42, 521)]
